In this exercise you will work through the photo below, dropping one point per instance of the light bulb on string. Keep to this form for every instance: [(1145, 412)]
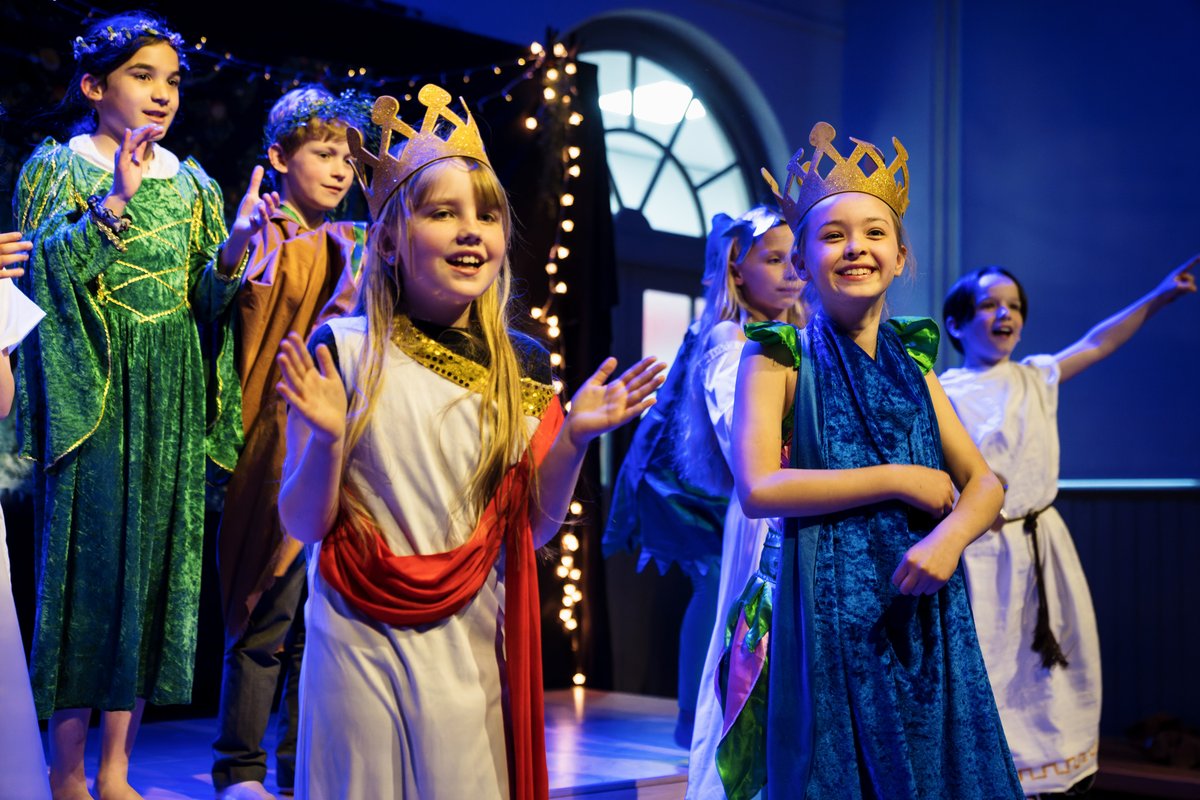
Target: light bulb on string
[(567, 562), (570, 68), (560, 288), (576, 574), (579, 679), (531, 123), (563, 252), (553, 332), (571, 624), (552, 320), (573, 151), (535, 312), (555, 360), (576, 509), (551, 268), (567, 199), (562, 571), (558, 385), (570, 542), (549, 93), (536, 48), (560, 49), (565, 614), (574, 170), (568, 225)]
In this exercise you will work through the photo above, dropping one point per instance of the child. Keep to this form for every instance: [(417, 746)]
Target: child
[(750, 278), (876, 684), (126, 258), (673, 490), (21, 761), (1033, 612), (422, 671), (301, 270)]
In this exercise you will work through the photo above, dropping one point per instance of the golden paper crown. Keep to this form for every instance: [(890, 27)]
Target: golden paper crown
[(846, 175), (443, 134)]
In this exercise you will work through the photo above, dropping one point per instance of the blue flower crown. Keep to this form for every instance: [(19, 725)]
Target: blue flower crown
[(351, 106), (122, 37)]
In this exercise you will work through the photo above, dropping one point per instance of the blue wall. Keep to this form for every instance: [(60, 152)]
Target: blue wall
[(1047, 137)]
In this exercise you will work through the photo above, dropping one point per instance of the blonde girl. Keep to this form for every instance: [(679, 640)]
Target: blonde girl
[(427, 460)]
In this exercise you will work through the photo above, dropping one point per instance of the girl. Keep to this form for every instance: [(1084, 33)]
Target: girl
[(1032, 608), (301, 270), (126, 259), (21, 760), (876, 685), (673, 491), (425, 464), (750, 278)]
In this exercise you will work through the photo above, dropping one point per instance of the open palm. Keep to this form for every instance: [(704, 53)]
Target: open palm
[(601, 405), (313, 388)]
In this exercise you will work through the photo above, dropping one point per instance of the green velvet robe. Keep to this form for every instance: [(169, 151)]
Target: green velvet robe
[(112, 405)]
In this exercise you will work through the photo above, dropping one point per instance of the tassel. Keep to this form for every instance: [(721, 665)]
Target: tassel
[(1044, 643)]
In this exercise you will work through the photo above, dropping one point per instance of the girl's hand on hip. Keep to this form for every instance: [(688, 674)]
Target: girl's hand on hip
[(314, 389), (600, 406)]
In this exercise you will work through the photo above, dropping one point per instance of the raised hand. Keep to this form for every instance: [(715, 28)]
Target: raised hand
[(255, 209), (316, 392), (127, 165), (601, 405), (930, 490), (1179, 281), (13, 251)]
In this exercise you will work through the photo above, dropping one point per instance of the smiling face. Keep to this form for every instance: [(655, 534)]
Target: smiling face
[(992, 334), (456, 243), (142, 91), (315, 178), (768, 282), (851, 253)]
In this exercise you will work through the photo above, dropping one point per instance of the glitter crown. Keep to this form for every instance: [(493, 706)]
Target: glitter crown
[(887, 182), (443, 134)]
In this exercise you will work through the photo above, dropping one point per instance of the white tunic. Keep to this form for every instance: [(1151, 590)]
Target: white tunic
[(22, 766), (741, 547), (1051, 717), (401, 712)]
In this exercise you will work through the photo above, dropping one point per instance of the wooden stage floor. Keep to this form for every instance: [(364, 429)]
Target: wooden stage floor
[(600, 746)]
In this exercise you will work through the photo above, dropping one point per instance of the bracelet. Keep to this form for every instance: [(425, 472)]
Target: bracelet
[(105, 217)]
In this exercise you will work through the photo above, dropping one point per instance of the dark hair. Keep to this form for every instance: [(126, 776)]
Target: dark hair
[(106, 45), (960, 300)]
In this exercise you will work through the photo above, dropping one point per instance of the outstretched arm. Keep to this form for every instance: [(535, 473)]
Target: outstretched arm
[(929, 563), (316, 432), (1102, 340), (764, 391), (598, 407)]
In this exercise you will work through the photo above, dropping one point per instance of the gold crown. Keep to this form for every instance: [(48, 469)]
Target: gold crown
[(443, 134), (846, 175)]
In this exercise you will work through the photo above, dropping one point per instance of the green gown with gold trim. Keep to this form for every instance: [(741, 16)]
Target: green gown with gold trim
[(112, 405)]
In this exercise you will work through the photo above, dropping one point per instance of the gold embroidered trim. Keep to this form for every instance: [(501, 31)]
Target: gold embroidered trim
[(535, 396), (1067, 766)]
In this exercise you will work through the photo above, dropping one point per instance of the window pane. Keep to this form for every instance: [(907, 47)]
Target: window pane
[(613, 81), (665, 318), (703, 148), (660, 101), (671, 207), (631, 162), (726, 194)]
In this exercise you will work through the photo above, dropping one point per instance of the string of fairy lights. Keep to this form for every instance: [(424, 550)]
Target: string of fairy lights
[(557, 118)]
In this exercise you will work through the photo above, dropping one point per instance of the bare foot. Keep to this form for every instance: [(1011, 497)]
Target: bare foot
[(74, 788), (115, 788)]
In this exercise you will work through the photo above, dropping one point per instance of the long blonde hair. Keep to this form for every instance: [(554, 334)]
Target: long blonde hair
[(699, 459), (502, 430)]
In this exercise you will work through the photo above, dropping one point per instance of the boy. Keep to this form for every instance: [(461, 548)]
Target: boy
[(302, 270)]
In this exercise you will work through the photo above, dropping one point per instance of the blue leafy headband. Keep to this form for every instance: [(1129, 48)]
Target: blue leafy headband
[(124, 36), (351, 107)]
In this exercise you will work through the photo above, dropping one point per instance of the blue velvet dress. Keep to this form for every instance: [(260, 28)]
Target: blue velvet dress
[(872, 694)]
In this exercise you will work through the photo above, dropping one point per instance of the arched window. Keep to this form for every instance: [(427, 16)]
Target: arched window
[(668, 157), (686, 131)]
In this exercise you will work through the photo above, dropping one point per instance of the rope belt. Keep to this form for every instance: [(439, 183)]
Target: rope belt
[(1044, 643)]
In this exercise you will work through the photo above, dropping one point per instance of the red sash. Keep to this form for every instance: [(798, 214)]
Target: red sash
[(421, 589)]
